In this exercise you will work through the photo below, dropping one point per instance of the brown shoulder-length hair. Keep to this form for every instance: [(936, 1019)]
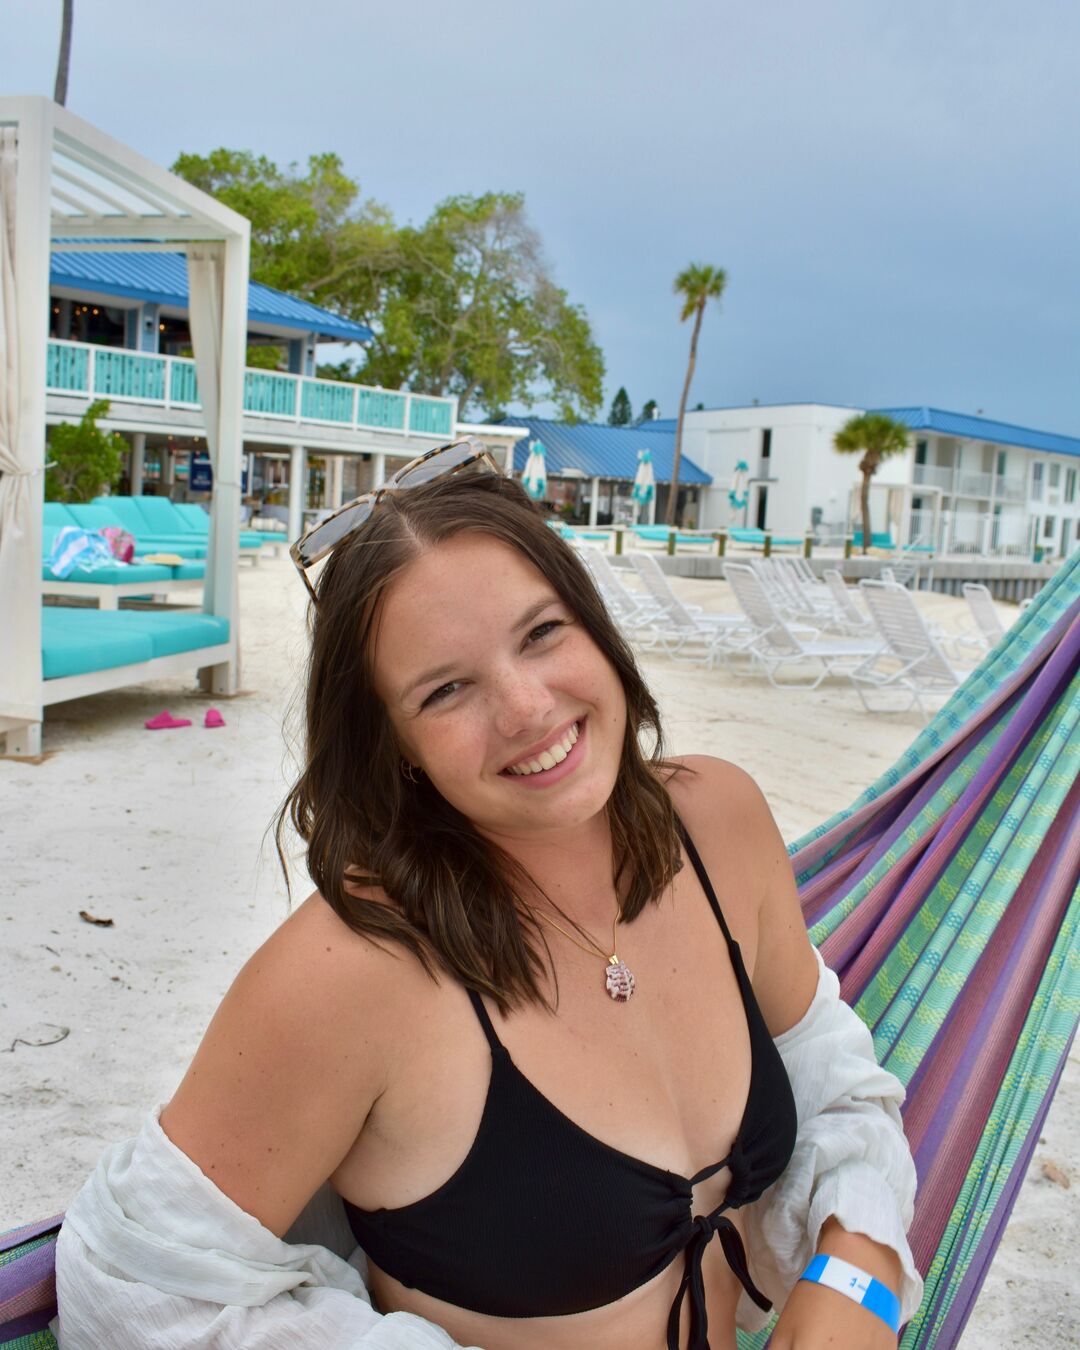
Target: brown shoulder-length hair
[(457, 902)]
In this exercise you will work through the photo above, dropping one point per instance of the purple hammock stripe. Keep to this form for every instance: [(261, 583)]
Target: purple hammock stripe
[(946, 1110), (971, 1281), (920, 893), (960, 818), (848, 827), (17, 1236)]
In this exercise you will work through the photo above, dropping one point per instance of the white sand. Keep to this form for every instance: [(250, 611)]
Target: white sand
[(164, 833)]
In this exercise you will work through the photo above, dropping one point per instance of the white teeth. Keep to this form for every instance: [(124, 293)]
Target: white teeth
[(547, 759)]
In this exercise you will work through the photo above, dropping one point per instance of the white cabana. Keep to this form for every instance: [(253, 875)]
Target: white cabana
[(62, 179)]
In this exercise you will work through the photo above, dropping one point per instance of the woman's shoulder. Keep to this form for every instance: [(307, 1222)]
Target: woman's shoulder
[(707, 791)]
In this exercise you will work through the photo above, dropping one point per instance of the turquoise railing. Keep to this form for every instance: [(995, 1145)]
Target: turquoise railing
[(183, 382), (322, 401), (430, 416), (380, 408), (146, 377), (120, 374)]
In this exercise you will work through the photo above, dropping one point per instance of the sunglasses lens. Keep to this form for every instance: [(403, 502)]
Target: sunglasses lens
[(331, 532), (442, 461)]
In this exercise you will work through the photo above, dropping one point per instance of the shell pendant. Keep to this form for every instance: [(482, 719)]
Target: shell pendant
[(619, 979)]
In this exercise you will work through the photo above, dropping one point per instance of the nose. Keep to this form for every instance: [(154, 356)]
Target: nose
[(522, 701)]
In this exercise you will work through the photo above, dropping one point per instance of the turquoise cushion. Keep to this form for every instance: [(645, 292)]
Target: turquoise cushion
[(113, 576), (189, 571), (71, 646), (76, 641), (57, 514), (160, 516), (97, 517), (193, 516), (123, 508)]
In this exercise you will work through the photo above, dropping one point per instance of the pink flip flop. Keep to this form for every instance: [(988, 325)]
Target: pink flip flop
[(213, 718), (165, 721)]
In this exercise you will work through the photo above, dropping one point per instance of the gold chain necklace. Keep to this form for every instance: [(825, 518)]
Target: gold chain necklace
[(618, 977)]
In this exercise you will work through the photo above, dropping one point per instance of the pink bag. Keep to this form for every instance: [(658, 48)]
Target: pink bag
[(120, 542)]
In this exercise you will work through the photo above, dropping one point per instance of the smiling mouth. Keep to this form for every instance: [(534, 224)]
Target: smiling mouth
[(548, 758)]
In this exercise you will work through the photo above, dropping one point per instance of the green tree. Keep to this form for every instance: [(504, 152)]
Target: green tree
[(84, 459), (473, 310), (621, 414), (697, 285), (649, 412), (875, 437), (311, 233)]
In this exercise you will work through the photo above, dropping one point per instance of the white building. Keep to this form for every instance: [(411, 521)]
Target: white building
[(965, 485)]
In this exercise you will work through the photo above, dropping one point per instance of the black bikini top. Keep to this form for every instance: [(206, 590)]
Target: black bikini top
[(542, 1219)]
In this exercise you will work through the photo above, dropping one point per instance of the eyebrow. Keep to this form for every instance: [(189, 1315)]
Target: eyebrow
[(437, 672)]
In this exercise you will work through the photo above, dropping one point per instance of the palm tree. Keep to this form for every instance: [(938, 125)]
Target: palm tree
[(875, 437), (697, 284), (63, 63)]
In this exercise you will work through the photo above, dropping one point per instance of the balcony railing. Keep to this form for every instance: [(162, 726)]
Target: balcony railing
[(124, 376), (965, 483)]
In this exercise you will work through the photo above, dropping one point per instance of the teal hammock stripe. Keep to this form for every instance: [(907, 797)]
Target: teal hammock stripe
[(947, 899)]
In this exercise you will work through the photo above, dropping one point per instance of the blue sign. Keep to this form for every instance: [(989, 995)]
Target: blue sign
[(201, 477)]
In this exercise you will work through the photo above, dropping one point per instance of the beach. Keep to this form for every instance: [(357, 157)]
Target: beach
[(167, 834)]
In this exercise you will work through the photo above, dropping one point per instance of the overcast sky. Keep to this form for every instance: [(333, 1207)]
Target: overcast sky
[(893, 189)]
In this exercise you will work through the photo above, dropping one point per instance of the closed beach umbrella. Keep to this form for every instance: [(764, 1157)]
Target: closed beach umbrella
[(644, 488), (534, 478), (739, 492)]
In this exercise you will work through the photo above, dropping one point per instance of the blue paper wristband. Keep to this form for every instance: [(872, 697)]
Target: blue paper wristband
[(856, 1285)]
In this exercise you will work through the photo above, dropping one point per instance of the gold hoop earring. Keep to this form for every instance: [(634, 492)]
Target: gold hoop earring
[(410, 771)]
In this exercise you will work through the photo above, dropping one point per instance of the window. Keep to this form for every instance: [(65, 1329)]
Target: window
[(1070, 485), (1002, 461), (766, 442), (1049, 526), (1055, 475), (1037, 481), (920, 452)]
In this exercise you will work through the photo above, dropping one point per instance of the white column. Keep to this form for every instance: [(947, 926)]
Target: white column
[(335, 479), (138, 462), (594, 503), (168, 469), (297, 490), (378, 469)]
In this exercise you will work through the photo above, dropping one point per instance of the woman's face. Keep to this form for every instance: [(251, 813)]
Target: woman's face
[(497, 691)]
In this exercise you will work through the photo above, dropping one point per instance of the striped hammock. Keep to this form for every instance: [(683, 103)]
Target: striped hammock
[(947, 899)]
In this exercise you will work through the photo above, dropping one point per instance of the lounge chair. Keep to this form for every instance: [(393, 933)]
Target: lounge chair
[(634, 612), (680, 630), (777, 644), (98, 517), (164, 521), (852, 619), (910, 657), (107, 586), (984, 612)]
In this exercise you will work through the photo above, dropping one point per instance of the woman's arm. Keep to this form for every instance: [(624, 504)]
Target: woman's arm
[(176, 1239)]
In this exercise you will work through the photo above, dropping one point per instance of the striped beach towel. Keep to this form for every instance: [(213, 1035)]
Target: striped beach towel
[(27, 1286), (947, 899)]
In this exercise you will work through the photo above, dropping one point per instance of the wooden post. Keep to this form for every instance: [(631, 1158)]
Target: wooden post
[(808, 544), (721, 542), (671, 543), (849, 542), (768, 543), (618, 540)]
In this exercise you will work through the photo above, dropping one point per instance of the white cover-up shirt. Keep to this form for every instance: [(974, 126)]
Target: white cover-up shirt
[(152, 1254)]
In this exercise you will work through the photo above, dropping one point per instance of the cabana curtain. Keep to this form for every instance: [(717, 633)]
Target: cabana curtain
[(947, 900), (19, 595)]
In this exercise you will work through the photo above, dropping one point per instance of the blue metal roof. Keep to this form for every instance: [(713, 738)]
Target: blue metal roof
[(983, 429), (162, 279), (603, 452)]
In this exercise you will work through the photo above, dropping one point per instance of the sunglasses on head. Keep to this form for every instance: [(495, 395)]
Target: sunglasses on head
[(324, 537)]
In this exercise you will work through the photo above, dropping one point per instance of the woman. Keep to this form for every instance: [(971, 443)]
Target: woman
[(526, 1025)]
